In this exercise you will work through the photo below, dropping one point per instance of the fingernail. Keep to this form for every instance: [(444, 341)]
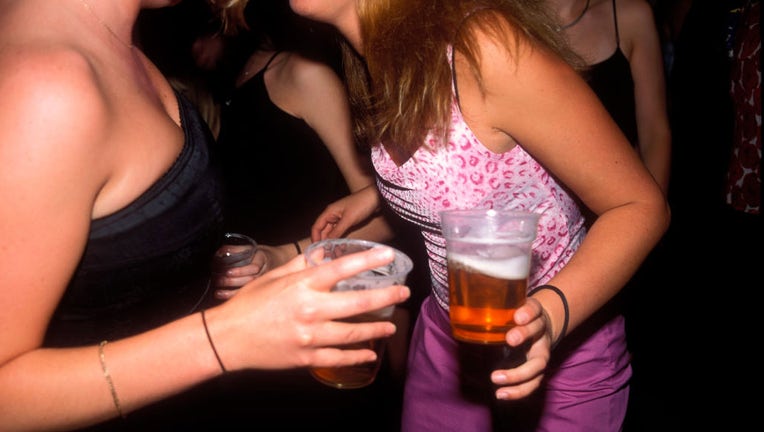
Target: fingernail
[(521, 316), (391, 329), (382, 251), (514, 338)]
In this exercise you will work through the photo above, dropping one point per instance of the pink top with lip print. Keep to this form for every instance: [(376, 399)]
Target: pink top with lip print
[(465, 174)]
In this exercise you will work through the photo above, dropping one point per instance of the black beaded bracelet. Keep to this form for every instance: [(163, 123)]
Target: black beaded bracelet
[(564, 306)]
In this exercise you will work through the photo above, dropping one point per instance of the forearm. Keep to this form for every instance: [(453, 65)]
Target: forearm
[(655, 152), (67, 388), (611, 253), (376, 229)]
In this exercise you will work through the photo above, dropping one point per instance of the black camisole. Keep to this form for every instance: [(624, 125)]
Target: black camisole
[(148, 263), (279, 175), (613, 83)]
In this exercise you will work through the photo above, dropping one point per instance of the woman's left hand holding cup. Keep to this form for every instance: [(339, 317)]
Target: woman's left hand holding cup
[(531, 335), (237, 261), (265, 258)]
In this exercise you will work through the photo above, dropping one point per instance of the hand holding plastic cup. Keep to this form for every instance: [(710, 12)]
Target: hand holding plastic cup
[(236, 250), (489, 260), (394, 273)]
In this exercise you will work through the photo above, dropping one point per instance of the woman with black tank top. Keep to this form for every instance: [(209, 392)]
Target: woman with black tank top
[(287, 151), (286, 141), (619, 41), (111, 212)]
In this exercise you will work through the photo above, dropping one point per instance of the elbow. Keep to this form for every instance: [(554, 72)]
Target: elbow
[(663, 215)]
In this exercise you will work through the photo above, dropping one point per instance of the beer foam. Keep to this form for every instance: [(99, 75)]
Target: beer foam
[(516, 267)]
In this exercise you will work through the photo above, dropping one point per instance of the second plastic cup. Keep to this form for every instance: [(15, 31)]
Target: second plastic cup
[(395, 273)]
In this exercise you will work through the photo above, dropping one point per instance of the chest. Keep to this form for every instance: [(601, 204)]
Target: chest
[(461, 173)]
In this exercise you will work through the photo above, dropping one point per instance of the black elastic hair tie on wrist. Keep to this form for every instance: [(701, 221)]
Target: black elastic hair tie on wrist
[(212, 345), (564, 306), (297, 246)]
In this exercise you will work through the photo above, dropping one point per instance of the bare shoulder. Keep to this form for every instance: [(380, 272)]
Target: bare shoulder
[(308, 88), (634, 13), (637, 26), (51, 99), (498, 39), (501, 48), (55, 83), (306, 74)]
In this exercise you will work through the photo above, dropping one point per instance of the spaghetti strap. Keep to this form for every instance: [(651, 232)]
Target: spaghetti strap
[(615, 21), (451, 55), (452, 51), (268, 63)]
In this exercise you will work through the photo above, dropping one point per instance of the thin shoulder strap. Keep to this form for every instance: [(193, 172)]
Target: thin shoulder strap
[(452, 51), (452, 59), (273, 56), (615, 21)]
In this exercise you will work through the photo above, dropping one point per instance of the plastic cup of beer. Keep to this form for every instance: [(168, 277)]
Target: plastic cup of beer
[(489, 258), (394, 273)]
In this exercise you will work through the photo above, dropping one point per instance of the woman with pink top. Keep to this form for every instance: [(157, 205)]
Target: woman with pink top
[(479, 104)]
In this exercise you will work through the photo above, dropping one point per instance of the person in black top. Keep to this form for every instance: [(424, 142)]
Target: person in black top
[(619, 42), (286, 141), (111, 215)]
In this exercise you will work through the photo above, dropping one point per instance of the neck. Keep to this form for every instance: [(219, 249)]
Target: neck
[(571, 13), (111, 15)]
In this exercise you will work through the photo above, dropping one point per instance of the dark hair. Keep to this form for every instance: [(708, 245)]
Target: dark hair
[(272, 25)]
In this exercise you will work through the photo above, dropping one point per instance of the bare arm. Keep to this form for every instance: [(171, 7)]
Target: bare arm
[(642, 46), (357, 215), (533, 98), (354, 216), (323, 104), (52, 175), (57, 147), (327, 111), (313, 92), (548, 108)]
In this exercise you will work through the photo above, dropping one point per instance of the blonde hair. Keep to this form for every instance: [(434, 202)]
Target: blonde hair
[(401, 89)]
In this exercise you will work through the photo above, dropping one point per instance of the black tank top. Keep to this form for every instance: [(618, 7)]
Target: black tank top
[(278, 174), (148, 263), (613, 83)]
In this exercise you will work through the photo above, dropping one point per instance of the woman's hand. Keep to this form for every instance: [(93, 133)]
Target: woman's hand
[(289, 318), (340, 216), (533, 335), (266, 258)]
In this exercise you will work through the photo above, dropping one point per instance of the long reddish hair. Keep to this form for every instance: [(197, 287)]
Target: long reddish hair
[(401, 89)]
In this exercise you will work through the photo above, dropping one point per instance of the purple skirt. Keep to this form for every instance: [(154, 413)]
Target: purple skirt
[(586, 387)]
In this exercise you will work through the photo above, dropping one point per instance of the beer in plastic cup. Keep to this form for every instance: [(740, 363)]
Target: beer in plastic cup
[(394, 273), (489, 258)]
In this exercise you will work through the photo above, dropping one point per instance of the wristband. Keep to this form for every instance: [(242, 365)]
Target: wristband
[(565, 307)]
